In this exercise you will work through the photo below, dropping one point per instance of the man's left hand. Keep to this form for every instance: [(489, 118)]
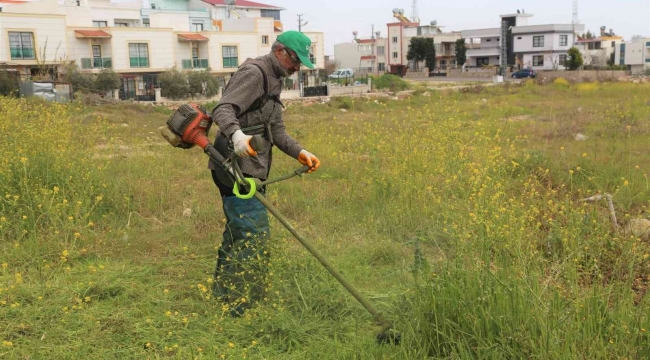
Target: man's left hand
[(308, 159)]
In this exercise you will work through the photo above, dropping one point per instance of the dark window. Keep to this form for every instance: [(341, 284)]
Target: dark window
[(488, 40), (394, 55), (563, 59), (564, 40), (121, 24), (395, 39), (538, 41), (21, 45), (519, 37), (538, 60), (380, 50), (146, 23), (382, 67), (100, 24), (482, 61), (265, 39), (275, 14)]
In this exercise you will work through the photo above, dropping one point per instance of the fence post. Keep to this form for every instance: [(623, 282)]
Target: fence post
[(158, 94), (329, 88), (369, 84)]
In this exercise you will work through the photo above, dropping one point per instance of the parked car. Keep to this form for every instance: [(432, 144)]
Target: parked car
[(342, 74), (524, 73)]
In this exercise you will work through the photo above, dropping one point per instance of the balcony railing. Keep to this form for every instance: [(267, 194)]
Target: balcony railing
[(195, 64), (96, 63)]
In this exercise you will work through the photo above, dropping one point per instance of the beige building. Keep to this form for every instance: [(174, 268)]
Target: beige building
[(139, 43)]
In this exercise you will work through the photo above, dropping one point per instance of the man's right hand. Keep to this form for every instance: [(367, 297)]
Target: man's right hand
[(241, 143)]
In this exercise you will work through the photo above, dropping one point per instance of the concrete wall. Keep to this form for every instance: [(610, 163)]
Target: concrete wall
[(392, 47), (347, 90), (348, 55), (582, 76), (176, 21), (160, 42), (49, 33)]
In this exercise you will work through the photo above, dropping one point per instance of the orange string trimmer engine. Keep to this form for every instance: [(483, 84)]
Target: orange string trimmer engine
[(188, 126)]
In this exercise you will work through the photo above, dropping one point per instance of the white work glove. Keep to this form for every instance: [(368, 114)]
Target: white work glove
[(308, 159), (241, 143)]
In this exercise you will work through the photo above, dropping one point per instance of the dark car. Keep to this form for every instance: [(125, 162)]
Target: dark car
[(524, 73)]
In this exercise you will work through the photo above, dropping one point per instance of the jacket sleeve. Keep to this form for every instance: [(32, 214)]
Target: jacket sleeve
[(246, 85), (282, 140)]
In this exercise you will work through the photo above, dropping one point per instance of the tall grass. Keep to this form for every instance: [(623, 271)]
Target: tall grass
[(459, 218)]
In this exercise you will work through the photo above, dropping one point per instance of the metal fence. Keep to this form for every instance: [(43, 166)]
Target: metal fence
[(50, 91)]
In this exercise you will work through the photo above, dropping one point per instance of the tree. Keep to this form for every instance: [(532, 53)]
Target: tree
[(201, 82), (461, 52), (173, 84), (574, 59), (107, 80), (417, 52), (430, 54)]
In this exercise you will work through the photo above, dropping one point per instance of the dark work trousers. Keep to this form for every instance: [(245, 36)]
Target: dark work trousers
[(242, 256)]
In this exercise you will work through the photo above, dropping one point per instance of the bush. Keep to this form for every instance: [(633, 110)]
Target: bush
[(202, 83), (174, 84), (107, 80), (390, 82), (79, 81), (9, 84)]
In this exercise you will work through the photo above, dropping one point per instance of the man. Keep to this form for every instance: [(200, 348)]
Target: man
[(251, 106)]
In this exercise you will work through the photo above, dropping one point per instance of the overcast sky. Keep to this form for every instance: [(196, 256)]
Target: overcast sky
[(338, 18)]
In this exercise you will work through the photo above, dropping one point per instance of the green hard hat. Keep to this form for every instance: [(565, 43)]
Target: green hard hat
[(299, 43)]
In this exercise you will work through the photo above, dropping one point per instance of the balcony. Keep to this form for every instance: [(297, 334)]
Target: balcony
[(195, 64), (96, 63), (486, 51)]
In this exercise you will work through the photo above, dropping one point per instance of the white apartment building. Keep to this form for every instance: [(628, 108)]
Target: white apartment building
[(139, 43), (544, 47), (540, 47), (389, 54), (601, 50), (634, 54)]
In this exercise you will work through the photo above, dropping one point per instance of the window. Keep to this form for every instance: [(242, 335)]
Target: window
[(195, 50), (381, 67), (230, 57), (519, 38), (482, 61), (21, 45), (197, 26), (613, 44), (394, 39), (139, 55), (380, 50), (395, 55), (488, 40), (78, 3), (538, 60), (121, 24), (312, 58), (563, 59), (153, 6), (538, 41), (564, 40), (275, 14), (100, 24), (265, 39), (97, 51), (146, 23)]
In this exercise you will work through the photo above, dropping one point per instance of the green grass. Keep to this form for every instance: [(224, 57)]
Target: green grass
[(458, 218)]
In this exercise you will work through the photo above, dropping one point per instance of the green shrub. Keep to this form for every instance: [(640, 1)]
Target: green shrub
[(203, 83), (8, 83), (390, 82), (174, 84), (79, 81), (107, 80)]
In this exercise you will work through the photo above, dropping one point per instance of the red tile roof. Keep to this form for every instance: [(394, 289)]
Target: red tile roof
[(92, 34), (192, 37), (243, 3), (364, 41), (367, 57)]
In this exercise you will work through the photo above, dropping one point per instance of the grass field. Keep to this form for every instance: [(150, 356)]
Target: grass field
[(457, 214)]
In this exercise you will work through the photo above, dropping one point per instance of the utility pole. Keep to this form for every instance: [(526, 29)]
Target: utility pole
[(300, 83), (372, 49)]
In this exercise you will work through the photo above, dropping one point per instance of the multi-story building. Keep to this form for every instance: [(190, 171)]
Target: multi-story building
[(540, 47), (139, 43), (389, 54), (634, 54), (599, 51)]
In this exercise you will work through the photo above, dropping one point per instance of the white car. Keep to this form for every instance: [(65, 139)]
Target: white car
[(342, 74)]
